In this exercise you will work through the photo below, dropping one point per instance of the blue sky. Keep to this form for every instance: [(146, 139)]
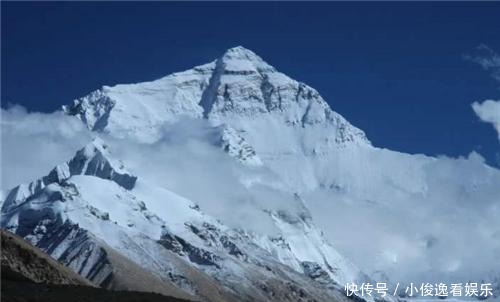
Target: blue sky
[(394, 69)]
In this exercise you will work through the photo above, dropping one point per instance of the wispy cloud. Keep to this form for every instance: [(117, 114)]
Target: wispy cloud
[(487, 58), (34, 142), (489, 112)]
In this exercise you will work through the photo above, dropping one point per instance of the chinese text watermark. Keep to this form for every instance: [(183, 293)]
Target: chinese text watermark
[(442, 290)]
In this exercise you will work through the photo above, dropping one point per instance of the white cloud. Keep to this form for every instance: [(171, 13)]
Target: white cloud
[(489, 112), (184, 160), (419, 219), (187, 161), (33, 143), (444, 232)]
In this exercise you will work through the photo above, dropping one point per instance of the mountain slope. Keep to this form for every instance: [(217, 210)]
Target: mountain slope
[(20, 258), (28, 274), (92, 223), (25, 291)]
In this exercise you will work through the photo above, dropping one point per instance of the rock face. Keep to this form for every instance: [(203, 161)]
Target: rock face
[(28, 274), (236, 146), (93, 215), (25, 261)]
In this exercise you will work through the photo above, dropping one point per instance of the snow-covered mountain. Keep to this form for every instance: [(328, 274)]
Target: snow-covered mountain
[(238, 89), (90, 207), (116, 226), (279, 118)]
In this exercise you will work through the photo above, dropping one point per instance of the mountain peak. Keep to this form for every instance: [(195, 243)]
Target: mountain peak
[(236, 89), (93, 159), (241, 52), (240, 59)]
